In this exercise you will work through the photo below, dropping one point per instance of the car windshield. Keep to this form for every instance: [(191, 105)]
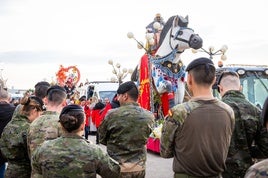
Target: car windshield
[(255, 87), (107, 94)]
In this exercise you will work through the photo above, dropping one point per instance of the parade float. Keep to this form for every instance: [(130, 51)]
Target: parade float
[(160, 73), (68, 73), (68, 77)]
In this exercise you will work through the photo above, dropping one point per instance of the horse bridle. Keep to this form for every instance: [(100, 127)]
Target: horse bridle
[(175, 37)]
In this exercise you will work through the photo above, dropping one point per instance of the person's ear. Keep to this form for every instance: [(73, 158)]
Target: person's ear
[(45, 101), (125, 96), (214, 80), (64, 103), (82, 128), (189, 79), (219, 88)]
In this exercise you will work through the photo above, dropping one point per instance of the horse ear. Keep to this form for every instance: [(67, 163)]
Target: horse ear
[(187, 18), (176, 21)]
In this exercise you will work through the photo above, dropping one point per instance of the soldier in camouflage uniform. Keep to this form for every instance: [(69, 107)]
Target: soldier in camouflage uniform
[(125, 131), (14, 138), (197, 133), (72, 156), (47, 127), (249, 129)]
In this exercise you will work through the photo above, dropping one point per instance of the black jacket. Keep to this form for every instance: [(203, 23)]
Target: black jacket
[(6, 112)]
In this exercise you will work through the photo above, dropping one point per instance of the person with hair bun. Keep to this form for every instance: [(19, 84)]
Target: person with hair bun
[(40, 91), (13, 142), (71, 155)]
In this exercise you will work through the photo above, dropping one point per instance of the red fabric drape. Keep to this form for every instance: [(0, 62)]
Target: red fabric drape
[(167, 100), (165, 103), (144, 97)]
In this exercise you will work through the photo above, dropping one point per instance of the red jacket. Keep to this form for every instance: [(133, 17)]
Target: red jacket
[(96, 117), (105, 110), (88, 113)]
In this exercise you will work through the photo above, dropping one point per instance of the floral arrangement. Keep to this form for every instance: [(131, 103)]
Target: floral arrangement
[(157, 131)]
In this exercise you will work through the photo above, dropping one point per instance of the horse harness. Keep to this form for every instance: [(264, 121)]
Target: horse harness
[(175, 37)]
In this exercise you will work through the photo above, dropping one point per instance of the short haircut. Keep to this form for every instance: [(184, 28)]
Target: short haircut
[(229, 79), (133, 93), (41, 89), (204, 74), (130, 88), (227, 73), (56, 95)]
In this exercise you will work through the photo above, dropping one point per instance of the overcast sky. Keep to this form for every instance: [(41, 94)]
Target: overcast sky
[(37, 36)]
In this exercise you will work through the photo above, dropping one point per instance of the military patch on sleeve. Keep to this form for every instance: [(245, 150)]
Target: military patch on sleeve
[(170, 114)]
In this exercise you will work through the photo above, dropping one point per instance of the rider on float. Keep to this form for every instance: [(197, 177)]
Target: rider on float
[(153, 31)]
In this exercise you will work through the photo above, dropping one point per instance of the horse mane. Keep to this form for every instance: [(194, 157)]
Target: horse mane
[(165, 29), (134, 76), (183, 22)]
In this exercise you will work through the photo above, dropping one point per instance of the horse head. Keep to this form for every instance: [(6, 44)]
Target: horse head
[(176, 37)]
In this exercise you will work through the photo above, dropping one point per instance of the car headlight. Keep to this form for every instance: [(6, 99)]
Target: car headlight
[(241, 71), (266, 71)]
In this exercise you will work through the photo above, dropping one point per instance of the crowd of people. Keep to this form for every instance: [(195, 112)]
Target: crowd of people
[(226, 136), (44, 136)]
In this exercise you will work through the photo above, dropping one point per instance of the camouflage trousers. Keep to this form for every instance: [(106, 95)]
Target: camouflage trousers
[(18, 170), (137, 174), (237, 168)]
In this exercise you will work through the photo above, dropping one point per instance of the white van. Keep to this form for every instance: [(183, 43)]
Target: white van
[(102, 89), (99, 89)]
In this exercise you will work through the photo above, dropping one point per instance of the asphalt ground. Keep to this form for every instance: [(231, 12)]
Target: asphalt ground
[(156, 166)]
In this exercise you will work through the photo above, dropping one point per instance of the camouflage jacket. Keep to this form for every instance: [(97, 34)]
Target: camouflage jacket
[(14, 147), (125, 131), (72, 156), (17, 110), (249, 135), (45, 127)]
